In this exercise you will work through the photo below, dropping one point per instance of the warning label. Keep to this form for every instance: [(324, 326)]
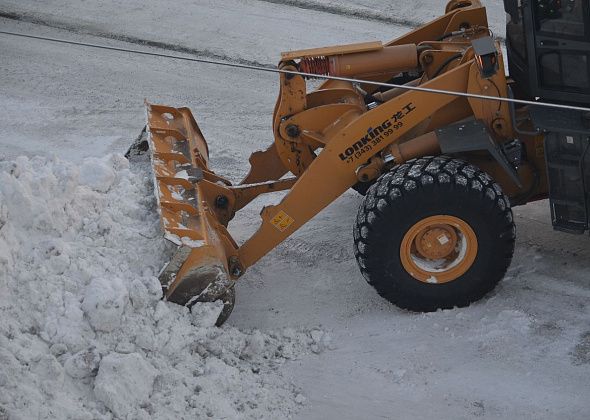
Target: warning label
[(282, 221)]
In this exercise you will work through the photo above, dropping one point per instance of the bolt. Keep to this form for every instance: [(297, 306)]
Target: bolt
[(235, 268), (427, 59), (292, 130), (221, 202)]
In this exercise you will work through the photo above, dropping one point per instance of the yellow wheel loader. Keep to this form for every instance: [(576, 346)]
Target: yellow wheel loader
[(439, 171)]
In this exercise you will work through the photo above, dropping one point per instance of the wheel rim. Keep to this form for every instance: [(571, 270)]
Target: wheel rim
[(438, 249)]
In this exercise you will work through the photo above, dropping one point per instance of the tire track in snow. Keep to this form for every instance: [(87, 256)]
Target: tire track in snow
[(96, 32), (361, 14), (347, 12)]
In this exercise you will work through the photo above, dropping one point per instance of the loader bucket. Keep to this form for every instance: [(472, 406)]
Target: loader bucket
[(198, 270)]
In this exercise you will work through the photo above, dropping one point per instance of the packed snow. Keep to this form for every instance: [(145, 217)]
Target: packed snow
[(83, 330), (308, 337)]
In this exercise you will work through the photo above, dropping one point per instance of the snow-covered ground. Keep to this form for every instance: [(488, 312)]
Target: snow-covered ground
[(308, 337)]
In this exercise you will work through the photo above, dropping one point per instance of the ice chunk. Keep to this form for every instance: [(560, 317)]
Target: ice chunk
[(97, 174), (104, 303), (205, 314), (83, 364), (124, 382)]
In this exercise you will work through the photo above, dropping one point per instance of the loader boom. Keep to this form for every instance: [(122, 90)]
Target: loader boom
[(334, 170)]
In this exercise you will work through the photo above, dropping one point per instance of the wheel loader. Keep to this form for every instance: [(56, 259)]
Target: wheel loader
[(439, 171)]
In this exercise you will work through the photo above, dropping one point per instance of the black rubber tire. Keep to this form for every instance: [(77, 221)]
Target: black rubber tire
[(362, 187), (426, 187)]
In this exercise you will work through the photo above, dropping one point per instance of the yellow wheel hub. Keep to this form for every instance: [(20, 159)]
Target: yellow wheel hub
[(438, 249)]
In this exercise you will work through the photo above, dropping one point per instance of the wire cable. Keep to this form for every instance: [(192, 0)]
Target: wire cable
[(298, 73)]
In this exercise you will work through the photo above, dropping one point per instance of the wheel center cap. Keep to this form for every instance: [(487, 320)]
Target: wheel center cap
[(436, 242), (438, 249)]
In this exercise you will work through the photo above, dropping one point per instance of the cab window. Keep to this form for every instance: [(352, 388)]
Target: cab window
[(561, 18)]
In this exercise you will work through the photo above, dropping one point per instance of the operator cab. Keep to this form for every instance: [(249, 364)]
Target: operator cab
[(548, 43)]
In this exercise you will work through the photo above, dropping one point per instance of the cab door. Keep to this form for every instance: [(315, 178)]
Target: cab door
[(560, 48)]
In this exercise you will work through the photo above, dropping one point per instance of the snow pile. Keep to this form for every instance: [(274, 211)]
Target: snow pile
[(83, 331)]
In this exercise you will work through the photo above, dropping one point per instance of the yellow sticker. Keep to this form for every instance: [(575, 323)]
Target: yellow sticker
[(282, 221)]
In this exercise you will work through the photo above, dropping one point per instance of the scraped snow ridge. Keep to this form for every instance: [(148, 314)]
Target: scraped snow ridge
[(84, 333)]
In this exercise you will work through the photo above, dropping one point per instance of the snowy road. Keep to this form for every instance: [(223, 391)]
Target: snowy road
[(523, 352)]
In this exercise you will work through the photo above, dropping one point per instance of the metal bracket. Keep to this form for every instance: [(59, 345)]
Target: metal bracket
[(486, 56), (471, 136)]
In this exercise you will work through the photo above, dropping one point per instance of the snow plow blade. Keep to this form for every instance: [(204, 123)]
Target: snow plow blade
[(190, 204)]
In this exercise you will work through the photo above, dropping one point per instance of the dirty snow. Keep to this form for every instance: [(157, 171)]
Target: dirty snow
[(83, 331)]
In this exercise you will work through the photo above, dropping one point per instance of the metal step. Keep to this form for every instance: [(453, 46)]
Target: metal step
[(568, 195)]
